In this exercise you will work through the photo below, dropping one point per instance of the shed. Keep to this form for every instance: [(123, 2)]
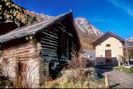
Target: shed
[(28, 53)]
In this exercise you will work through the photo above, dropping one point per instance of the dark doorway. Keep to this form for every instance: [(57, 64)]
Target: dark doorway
[(108, 56)]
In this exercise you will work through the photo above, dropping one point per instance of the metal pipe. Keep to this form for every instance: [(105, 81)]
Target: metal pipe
[(127, 51)]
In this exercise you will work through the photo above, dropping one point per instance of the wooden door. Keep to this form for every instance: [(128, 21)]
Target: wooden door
[(23, 70), (21, 75), (108, 56)]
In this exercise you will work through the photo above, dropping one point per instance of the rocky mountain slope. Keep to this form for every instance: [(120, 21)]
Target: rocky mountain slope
[(11, 12), (87, 28), (87, 32)]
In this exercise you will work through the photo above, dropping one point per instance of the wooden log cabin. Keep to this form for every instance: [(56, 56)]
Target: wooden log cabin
[(28, 53)]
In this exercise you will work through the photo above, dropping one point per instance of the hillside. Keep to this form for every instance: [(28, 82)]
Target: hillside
[(87, 32), (11, 12)]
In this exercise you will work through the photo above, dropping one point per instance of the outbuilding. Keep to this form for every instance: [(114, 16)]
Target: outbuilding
[(30, 52), (109, 49)]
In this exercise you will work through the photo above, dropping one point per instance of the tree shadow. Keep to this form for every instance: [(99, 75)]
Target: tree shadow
[(100, 70), (115, 85)]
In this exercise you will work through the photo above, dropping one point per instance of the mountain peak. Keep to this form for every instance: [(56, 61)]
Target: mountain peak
[(81, 20), (86, 28)]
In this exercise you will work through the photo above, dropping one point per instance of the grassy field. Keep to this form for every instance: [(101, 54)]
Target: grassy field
[(122, 68)]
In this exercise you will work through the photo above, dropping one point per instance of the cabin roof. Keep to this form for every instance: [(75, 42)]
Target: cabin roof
[(106, 36), (31, 29)]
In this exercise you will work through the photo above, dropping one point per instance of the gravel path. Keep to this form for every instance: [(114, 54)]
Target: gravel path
[(121, 79)]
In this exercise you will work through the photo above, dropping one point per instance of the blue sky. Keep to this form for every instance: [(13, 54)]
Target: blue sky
[(107, 15)]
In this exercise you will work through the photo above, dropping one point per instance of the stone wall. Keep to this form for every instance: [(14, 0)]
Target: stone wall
[(35, 74), (24, 57)]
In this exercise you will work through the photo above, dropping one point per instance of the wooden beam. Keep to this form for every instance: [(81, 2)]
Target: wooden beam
[(70, 34), (47, 46), (51, 32), (49, 38), (47, 34), (51, 44), (50, 41)]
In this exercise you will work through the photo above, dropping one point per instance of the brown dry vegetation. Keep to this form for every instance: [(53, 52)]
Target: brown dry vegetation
[(74, 76), (74, 81), (85, 44)]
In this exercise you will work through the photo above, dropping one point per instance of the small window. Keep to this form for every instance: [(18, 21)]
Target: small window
[(108, 45)]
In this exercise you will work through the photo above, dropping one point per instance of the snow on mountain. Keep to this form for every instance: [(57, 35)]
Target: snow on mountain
[(86, 30), (130, 39)]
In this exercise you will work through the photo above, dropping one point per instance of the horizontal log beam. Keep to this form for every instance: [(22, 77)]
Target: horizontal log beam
[(49, 38), (50, 41), (50, 32), (46, 46), (50, 35), (49, 44)]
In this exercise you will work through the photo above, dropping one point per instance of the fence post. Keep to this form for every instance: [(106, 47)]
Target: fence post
[(106, 81)]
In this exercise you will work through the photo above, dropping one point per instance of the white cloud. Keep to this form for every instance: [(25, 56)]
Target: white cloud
[(130, 12), (126, 8)]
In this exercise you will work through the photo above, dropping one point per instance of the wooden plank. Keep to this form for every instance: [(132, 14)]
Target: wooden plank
[(50, 50), (49, 38), (47, 46), (50, 44), (50, 41), (50, 35), (62, 29), (54, 56), (54, 30), (61, 25), (50, 32), (70, 34), (49, 58)]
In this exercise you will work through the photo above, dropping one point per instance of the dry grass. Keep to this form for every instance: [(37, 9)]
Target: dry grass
[(66, 83), (77, 62), (72, 81), (124, 69), (75, 76)]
